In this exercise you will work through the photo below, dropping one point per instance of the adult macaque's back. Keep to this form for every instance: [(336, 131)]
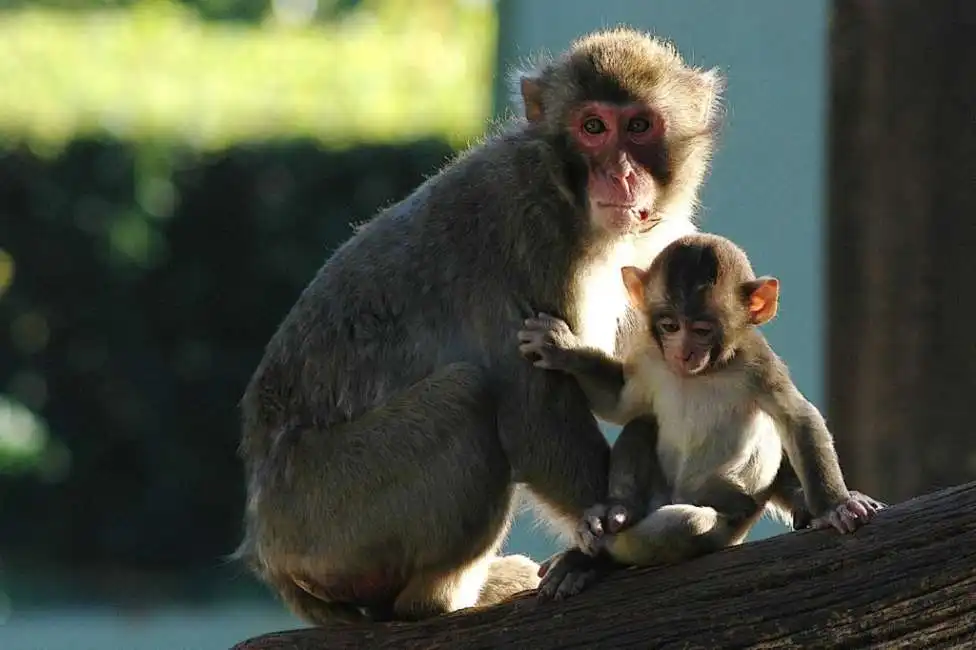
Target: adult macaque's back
[(392, 415)]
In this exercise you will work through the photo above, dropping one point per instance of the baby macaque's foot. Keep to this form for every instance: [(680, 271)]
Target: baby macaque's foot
[(568, 573)]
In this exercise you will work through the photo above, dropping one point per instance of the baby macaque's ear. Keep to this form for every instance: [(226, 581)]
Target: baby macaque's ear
[(761, 298), (634, 279)]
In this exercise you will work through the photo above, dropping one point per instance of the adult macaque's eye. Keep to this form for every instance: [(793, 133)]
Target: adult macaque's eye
[(594, 126)]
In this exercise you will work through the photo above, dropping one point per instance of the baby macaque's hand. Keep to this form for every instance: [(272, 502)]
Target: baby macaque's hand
[(591, 529), (548, 340), (600, 522), (849, 515)]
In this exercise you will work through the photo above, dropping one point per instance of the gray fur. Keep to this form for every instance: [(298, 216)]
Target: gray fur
[(391, 415)]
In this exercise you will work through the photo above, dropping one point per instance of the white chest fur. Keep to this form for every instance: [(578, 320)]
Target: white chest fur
[(707, 425), (603, 298), (600, 287)]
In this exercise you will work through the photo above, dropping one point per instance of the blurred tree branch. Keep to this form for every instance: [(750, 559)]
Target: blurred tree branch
[(902, 242), (906, 580)]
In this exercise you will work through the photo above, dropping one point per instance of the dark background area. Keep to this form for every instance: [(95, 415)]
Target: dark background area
[(172, 174), (144, 358)]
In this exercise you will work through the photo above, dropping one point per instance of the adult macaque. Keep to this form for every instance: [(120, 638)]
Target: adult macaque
[(391, 417), (715, 429)]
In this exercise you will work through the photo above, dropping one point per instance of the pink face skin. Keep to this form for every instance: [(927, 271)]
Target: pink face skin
[(620, 143), (687, 345)]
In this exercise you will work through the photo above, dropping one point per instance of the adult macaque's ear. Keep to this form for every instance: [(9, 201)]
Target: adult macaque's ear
[(531, 89), (634, 279), (762, 299), (711, 86)]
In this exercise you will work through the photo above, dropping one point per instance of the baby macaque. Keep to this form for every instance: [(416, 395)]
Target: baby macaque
[(715, 430)]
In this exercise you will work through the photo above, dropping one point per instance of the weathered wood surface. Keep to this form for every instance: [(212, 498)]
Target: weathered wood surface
[(907, 580)]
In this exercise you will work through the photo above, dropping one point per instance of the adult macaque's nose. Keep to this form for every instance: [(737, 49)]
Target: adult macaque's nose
[(623, 180)]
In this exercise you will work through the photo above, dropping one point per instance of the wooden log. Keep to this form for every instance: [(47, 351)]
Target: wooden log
[(906, 580)]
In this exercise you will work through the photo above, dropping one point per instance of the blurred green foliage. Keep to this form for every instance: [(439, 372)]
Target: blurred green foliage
[(237, 10), (168, 185), (389, 71), (141, 304)]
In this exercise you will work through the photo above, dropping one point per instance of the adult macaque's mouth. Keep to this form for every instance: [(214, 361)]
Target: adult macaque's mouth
[(647, 220)]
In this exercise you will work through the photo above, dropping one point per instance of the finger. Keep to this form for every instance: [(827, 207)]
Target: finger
[(847, 519), (573, 584), (595, 525), (544, 316), (852, 523), (589, 543), (836, 523), (525, 336), (542, 363), (617, 518), (549, 571), (526, 348), (869, 506), (546, 589), (549, 587), (557, 591), (840, 519), (869, 502), (856, 508), (566, 587), (820, 523)]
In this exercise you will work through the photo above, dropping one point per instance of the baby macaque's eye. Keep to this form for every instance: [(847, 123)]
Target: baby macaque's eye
[(668, 326), (702, 330)]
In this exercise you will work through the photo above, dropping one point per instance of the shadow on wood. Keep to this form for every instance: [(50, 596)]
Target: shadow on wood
[(908, 579)]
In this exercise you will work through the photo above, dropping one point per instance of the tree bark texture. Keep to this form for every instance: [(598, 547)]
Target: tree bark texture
[(906, 580), (902, 243)]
